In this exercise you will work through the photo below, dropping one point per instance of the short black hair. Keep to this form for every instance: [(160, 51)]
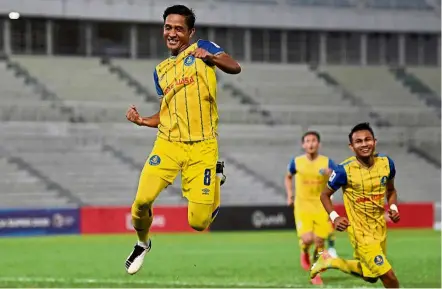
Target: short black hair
[(311, 132), (183, 11), (359, 127)]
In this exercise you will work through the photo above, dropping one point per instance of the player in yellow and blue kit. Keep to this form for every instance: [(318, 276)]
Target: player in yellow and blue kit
[(187, 130), (311, 171), (366, 179)]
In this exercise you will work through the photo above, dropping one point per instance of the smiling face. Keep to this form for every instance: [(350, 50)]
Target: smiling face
[(363, 143), (176, 33)]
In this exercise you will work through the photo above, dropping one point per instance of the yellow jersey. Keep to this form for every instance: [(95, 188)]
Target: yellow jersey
[(187, 87), (364, 196), (310, 181)]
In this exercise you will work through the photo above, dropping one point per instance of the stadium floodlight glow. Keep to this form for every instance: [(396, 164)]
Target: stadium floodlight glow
[(14, 15)]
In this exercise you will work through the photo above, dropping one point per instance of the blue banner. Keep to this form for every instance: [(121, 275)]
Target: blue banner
[(36, 222)]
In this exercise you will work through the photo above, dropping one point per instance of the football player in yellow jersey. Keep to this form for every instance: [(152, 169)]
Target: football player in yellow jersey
[(311, 171), (366, 179), (187, 130)]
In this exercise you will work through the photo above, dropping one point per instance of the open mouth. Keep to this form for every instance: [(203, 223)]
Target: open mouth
[(365, 151), (172, 41)]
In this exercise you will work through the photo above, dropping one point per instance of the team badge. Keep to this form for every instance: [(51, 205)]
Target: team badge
[(154, 160), (383, 181), (322, 172), (379, 260), (189, 60)]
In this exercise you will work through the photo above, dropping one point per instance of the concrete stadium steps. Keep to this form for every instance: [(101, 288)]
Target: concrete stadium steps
[(377, 87), (76, 78), (13, 88), (429, 76), (285, 84), (18, 189)]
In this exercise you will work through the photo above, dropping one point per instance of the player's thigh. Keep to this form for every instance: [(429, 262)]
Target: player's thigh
[(164, 160), (373, 260), (160, 169), (199, 176), (304, 224), (321, 226), (199, 215)]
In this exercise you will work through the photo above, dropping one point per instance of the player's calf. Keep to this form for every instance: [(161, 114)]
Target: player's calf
[(390, 280)]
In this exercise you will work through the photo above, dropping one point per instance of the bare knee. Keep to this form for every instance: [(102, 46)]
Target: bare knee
[(199, 216), (319, 242), (307, 238), (390, 280)]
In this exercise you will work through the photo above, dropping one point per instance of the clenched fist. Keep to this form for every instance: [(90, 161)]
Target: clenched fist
[(132, 115)]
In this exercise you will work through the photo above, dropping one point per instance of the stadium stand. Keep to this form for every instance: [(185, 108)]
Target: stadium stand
[(401, 107), (430, 76)]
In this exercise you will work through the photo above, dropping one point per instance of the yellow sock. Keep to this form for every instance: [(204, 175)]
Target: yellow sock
[(318, 250), (217, 200), (149, 188), (142, 224), (304, 247), (347, 266)]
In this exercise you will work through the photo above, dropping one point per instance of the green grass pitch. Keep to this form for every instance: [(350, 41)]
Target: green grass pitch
[(258, 259)]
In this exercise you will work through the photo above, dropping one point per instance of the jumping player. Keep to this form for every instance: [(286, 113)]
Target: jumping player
[(187, 130)]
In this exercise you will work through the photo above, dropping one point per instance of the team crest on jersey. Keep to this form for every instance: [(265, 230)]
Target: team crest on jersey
[(384, 181), (379, 260), (322, 172), (154, 160), (189, 60)]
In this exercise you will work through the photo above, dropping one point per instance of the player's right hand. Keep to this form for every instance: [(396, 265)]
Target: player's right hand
[(132, 115), (341, 224)]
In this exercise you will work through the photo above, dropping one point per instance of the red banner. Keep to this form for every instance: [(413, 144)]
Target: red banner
[(109, 220), (413, 215)]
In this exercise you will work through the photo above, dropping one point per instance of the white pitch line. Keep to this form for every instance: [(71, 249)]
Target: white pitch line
[(162, 282)]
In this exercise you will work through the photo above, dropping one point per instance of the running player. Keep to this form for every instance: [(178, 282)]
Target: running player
[(366, 180), (311, 172), (187, 130)]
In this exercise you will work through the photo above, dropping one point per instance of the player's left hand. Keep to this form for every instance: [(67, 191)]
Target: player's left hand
[(202, 54), (394, 215)]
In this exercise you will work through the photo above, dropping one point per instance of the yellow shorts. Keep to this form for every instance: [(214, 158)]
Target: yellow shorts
[(372, 257), (195, 160), (316, 223)]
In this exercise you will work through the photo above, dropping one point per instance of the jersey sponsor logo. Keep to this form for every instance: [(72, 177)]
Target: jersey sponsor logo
[(179, 81), (384, 181), (205, 191), (189, 60), (376, 197), (379, 260), (154, 160)]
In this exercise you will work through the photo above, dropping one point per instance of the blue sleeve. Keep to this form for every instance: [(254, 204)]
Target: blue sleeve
[(210, 46), (392, 169), (292, 166), (331, 164), (338, 178), (157, 83)]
